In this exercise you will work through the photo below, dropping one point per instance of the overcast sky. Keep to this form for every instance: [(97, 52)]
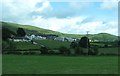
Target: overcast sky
[(74, 17)]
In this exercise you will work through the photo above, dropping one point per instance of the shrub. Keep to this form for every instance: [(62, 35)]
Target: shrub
[(9, 52), (119, 43), (5, 46), (73, 45), (105, 45), (95, 51), (8, 46), (26, 53), (51, 52), (64, 50), (111, 54), (13, 52), (44, 50), (32, 53), (78, 51), (90, 51), (12, 46), (102, 54), (18, 53)]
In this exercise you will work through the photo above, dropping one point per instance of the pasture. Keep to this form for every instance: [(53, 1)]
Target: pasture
[(53, 44), (30, 64)]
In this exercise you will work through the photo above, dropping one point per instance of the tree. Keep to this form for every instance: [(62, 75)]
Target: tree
[(119, 43), (73, 44), (6, 33), (84, 42), (21, 32)]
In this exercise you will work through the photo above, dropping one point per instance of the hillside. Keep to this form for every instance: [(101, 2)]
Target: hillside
[(38, 31), (35, 30)]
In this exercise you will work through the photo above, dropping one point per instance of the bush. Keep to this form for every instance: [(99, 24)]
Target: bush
[(64, 50), (90, 51), (105, 45), (26, 53), (51, 52), (13, 52), (73, 45), (78, 51), (8, 46), (119, 43), (5, 46), (12, 46), (32, 53), (18, 53), (102, 54), (44, 50), (93, 51), (111, 54)]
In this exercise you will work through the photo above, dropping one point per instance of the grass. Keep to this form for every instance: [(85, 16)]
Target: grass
[(53, 44), (0, 64), (29, 29), (48, 43), (113, 50), (26, 46), (29, 64)]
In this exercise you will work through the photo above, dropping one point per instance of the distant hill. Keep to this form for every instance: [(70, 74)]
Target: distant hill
[(35, 30), (38, 31), (103, 37)]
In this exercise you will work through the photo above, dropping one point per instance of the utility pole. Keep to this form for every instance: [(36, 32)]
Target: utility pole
[(87, 33), (87, 41)]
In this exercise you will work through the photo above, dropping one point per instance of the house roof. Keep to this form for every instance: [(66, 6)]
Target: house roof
[(21, 38)]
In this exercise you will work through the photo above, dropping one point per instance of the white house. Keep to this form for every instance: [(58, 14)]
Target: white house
[(32, 36), (60, 38), (40, 38), (21, 39), (70, 39)]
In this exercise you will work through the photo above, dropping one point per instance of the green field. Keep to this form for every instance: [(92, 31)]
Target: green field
[(53, 44), (29, 64), (113, 50)]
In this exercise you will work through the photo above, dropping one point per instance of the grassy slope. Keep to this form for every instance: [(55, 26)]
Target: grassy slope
[(53, 44), (48, 43), (35, 30), (19, 64), (104, 36), (26, 46)]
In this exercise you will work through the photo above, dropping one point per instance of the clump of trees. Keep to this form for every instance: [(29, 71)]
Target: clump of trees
[(8, 45), (84, 42), (21, 32), (7, 33), (83, 47)]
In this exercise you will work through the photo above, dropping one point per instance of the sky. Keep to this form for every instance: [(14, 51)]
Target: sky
[(68, 16)]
